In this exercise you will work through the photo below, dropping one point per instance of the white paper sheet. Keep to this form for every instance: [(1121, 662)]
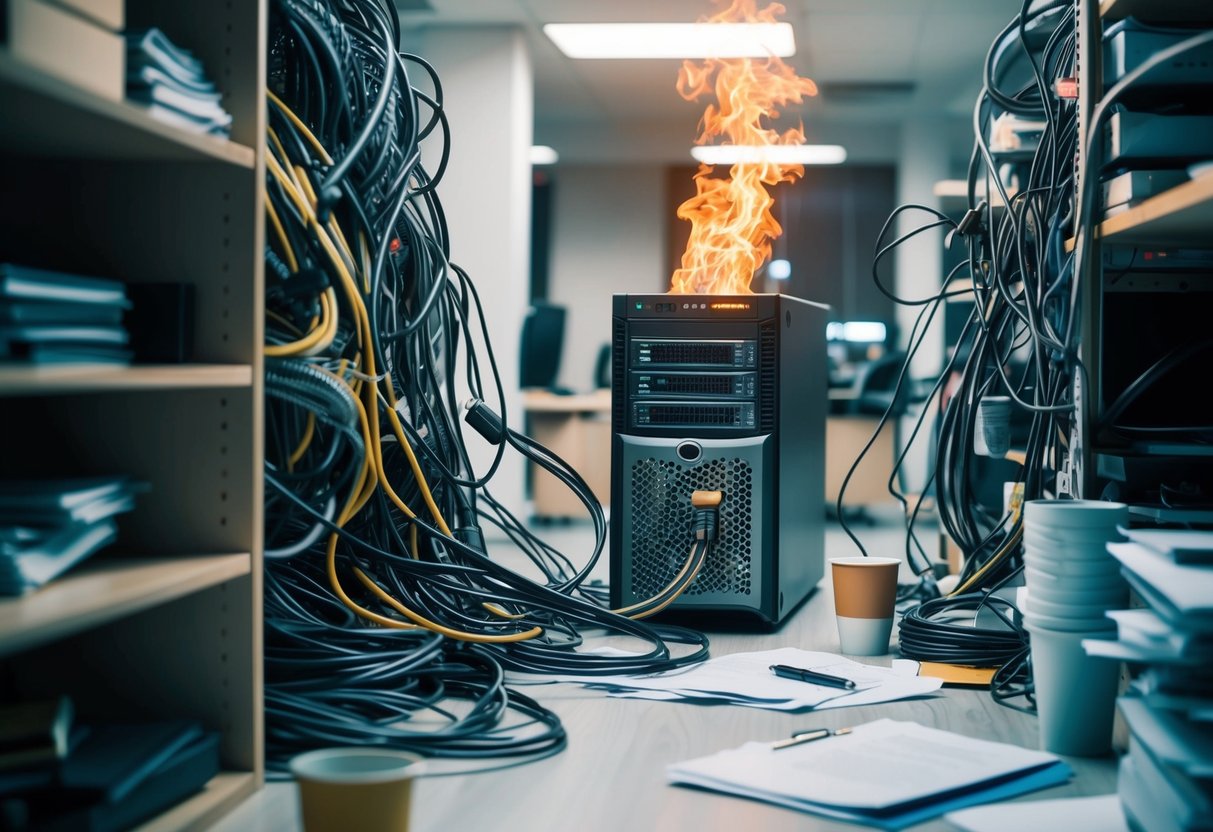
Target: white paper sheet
[(746, 679), (883, 767), (1075, 814)]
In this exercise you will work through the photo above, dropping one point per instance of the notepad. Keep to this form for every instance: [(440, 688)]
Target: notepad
[(886, 773)]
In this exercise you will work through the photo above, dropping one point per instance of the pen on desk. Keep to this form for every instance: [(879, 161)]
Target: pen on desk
[(812, 676), (809, 736)]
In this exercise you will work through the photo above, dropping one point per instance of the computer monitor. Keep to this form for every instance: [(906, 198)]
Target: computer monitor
[(542, 345), (850, 344)]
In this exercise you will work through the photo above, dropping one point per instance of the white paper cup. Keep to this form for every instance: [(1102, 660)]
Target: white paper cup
[(1074, 539), (992, 428), (1066, 609), (1072, 534), (1068, 551), (1075, 694), (1036, 575), (1057, 592), (1075, 513), (1093, 627), (360, 789), (865, 593), (1064, 567)]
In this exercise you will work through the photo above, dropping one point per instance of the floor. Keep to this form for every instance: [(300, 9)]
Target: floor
[(880, 532)]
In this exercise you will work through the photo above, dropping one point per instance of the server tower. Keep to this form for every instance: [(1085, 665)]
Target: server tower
[(721, 393)]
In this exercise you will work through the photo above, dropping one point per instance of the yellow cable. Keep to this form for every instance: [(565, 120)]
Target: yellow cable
[(287, 249), (435, 626), (686, 566), (303, 128), (309, 431), (299, 190), (319, 338)]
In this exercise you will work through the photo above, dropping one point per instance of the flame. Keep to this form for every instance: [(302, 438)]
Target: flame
[(731, 221)]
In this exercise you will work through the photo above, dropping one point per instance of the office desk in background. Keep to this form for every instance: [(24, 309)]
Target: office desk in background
[(612, 775), (846, 436), (577, 428)]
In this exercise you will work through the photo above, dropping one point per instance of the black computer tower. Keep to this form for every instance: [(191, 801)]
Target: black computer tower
[(728, 393)]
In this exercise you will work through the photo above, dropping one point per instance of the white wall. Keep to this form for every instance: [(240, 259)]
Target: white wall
[(488, 96), (924, 160), (608, 236)]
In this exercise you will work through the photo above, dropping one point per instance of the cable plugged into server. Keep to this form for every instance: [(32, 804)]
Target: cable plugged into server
[(382, 601)]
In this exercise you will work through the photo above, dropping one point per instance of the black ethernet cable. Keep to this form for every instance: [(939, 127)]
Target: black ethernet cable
[(373, 324), (1022, 302)]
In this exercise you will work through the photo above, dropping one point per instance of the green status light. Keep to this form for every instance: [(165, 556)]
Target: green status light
[(640, 306)]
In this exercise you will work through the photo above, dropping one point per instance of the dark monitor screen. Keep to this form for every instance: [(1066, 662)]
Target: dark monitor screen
[(542, 345)]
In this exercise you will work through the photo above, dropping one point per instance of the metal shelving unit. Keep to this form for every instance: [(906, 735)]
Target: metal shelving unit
[(1178, 217), (168, 622)]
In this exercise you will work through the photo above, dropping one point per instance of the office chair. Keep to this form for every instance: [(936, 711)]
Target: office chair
[(876, 385)]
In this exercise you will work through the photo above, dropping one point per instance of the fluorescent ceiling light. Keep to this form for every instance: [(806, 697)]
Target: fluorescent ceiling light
[(672, 40), (779, 269), (541, 154), (780, 154)]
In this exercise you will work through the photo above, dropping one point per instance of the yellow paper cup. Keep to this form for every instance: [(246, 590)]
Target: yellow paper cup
[(356, 789)]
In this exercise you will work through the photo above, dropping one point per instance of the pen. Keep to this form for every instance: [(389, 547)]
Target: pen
[(809, 736), (812, 676)]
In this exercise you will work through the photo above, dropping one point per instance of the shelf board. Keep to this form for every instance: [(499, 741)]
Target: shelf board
[(46, 117), (1181, 215), (106, 589), (102, 378), (223, 793), (1195, 11)]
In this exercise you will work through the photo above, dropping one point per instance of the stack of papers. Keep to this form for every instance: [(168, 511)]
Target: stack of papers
[(171, 84), (746, 679), (48, 526), (886, 773), (1165, 780), (52, 317), (1071, 814)]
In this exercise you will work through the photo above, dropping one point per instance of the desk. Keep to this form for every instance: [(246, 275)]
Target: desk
[(577, 429), (611, 777), (846, 435)]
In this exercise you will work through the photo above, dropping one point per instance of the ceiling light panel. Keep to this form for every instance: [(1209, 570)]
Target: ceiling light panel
[(672, 40)]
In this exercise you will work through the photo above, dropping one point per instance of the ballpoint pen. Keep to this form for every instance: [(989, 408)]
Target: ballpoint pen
[(809, 736), (812, 676)]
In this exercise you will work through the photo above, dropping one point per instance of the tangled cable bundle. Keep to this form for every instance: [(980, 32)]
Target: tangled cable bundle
[(386, 620)]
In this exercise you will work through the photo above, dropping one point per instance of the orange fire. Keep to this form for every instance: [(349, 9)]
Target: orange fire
[(731, 221)]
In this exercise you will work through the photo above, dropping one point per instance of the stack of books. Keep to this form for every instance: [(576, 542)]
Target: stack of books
[(171, 84), (53, 317), (1166, 777), (49, 526), (60, 774)]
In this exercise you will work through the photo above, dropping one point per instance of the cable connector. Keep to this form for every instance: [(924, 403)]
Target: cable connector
[(484, 421), (707, 515), (969, 224)]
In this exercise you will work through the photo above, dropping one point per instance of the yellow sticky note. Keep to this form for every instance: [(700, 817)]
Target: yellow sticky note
[(958, 674)]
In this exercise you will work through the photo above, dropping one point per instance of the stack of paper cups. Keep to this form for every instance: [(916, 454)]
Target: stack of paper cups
[(1072, 581)]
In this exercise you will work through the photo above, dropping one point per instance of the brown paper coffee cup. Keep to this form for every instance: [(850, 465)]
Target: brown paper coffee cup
[(865, 591)]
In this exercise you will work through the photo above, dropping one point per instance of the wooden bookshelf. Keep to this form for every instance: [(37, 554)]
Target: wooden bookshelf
[(49, 117), (83, 378), (106, 589), (203, 809), (1181, 215), (171, 627)]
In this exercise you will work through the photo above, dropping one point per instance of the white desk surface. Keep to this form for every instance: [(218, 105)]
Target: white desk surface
[(611, 776)]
